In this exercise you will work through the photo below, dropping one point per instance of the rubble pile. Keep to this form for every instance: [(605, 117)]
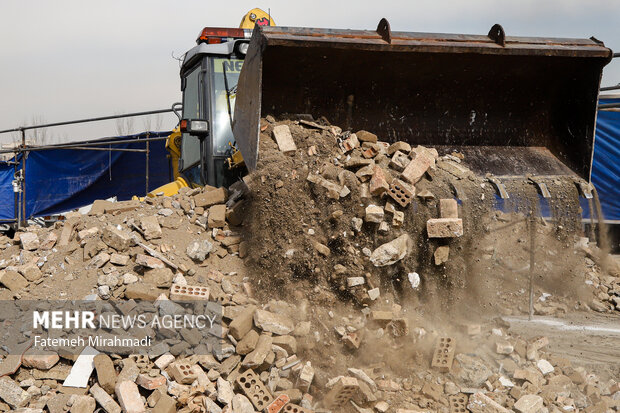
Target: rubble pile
[(349, 213), (329, 218)]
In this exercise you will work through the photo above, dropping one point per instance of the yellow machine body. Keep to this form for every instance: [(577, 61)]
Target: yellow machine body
[(254, 17)]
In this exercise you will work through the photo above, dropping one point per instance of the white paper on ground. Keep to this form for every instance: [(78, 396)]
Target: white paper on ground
[(82, 369)]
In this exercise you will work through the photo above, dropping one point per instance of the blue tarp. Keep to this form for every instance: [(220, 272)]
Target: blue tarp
[(58, 180), (606, 163)]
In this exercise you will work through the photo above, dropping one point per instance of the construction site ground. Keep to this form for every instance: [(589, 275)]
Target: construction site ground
[(334, 294)]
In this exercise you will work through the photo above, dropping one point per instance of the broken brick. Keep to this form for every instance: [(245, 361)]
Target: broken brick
[(399, 161), (148, 261), (217, 216), (293, 408), (106, 374), (444, 227), (188, 293), (399, 146), (40, 361), (149, 382), (129, 397), (401, 192), (443, 355), (277, 405), (207, 199), (448, 208), (352, 340), (350, 143), (284, 139), (458, 403), (416, 169), (378, 183), (341, 393), (184, 373), (254, 389)]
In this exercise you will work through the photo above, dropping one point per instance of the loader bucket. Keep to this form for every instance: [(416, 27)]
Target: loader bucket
[(511, 105)]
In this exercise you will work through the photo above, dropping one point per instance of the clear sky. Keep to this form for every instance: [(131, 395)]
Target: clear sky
[(70, 59)]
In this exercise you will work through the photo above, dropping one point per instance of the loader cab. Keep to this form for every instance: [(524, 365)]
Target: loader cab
[(209, 77)]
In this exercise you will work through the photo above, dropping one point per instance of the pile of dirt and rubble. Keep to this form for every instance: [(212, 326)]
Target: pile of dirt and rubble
[(350, 281), (345, 212)]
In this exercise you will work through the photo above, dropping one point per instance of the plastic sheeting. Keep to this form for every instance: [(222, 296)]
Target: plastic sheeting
[(59, 180), (606, 163)]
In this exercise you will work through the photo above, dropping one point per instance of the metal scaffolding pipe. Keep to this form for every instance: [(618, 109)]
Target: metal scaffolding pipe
[(82, 144), (96, 119)]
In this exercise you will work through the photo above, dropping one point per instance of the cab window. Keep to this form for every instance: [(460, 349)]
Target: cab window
[(190, 146), (224, 72)]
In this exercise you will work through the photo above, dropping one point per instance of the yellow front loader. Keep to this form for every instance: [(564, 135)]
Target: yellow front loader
[(209, 76), (516, 107)]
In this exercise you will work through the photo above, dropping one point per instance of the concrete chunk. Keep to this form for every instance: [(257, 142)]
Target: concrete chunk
[(116, 238), (273, 323), (29, 241), (209, 198), (198, 250), (242, 323), (82, 404), (12, 280), (104, 399), (441, 254), (374, 214), (150, 227), (259, 354), (530, 403), (322, 249), (12, 393), (365, 136), (167, 404), (248, 343), (391, 252), (481, 403), (241, 404), (148, 261), (544, 366), (217, 216), (117, 207)]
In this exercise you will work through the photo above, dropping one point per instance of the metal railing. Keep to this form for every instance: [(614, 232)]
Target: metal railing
[(19, 184)]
